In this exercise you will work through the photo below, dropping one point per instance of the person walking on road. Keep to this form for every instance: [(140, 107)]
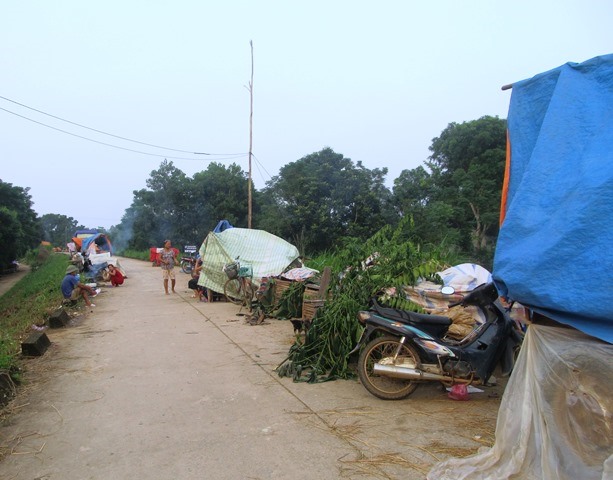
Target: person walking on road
[(168, 260)]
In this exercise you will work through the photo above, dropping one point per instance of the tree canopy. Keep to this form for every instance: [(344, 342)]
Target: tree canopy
[(19, 226), (324, 197), (319, 202), (181, 208), (58, 229), (458, 199)]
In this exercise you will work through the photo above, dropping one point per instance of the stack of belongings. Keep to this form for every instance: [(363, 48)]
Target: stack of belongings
[(463, 278)]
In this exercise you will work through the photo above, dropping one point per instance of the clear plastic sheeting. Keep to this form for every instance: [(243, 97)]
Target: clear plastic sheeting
[(555, 419)]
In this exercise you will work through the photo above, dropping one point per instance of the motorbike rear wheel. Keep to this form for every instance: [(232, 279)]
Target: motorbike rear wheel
[(382, 350), (186, 266)]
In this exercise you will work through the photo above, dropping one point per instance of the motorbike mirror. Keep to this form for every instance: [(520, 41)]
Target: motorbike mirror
[(447, 290)]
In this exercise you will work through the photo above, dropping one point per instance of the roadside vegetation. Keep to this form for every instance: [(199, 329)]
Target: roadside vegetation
[(135, 254), (391, 259), (323, 199), (28, 303), (318, 202)]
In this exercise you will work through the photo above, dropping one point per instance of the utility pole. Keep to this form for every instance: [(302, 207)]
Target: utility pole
[(250, 201)]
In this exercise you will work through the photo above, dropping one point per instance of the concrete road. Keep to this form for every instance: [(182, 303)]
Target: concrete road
[(155, 386)]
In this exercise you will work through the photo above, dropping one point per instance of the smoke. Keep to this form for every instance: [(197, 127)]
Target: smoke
[(122, 234)]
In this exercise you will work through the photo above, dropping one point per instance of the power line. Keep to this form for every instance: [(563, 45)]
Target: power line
[(230, 156), (260, 165), (105, 133)]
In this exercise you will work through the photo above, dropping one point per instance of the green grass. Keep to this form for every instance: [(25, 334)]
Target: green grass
[(136, 254), (29, 302)]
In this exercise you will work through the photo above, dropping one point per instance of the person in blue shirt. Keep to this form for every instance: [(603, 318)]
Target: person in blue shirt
[(72, 288)]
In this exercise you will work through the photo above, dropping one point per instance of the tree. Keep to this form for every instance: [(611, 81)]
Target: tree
[(460, 198), (219, 193), (19, 226), (183, 209), (156, 213), (58, 229), (467, 163), (324, 197)]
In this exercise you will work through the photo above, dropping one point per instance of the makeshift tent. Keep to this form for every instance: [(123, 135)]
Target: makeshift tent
[(553, 256), (101, 240), (266, 254)]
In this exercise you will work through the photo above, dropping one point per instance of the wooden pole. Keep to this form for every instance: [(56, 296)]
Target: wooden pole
[(250, 201)]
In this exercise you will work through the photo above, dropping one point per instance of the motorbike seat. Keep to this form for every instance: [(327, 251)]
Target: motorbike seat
[(404, 316)]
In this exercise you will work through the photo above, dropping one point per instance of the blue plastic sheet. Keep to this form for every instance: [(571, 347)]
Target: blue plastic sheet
[(554, 247), (101, 240), (222, 225)]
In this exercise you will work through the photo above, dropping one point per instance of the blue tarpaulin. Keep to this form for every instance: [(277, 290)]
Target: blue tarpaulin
[(101, 240), (554, 248), (222, 225)]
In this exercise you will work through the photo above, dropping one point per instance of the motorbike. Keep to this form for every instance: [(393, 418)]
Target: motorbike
[(400, 349)]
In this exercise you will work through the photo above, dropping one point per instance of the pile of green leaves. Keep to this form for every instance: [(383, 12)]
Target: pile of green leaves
[(396, 262), (290, 302)]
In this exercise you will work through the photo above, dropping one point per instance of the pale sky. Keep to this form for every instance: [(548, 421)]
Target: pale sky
[(374, 81)]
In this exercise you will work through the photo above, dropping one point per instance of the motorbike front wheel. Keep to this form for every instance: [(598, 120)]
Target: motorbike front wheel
[(186, 266), (383, 350)]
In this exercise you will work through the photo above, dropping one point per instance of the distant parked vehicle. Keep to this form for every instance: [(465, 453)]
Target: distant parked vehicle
[(11, 267), (189, 258)]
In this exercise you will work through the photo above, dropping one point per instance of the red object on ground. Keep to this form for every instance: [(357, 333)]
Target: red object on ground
[(459, 391)]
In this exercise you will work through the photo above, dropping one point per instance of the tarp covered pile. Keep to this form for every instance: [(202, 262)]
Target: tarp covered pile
[(264, 253), (553, 251)]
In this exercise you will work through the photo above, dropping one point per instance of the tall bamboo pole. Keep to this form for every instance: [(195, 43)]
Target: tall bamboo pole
[(249, 205)]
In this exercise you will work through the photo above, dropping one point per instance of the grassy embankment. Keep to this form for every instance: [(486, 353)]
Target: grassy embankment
[(29, 302)]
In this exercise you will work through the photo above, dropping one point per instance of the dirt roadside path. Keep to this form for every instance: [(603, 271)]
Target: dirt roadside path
[(7, 281), (165, 387)]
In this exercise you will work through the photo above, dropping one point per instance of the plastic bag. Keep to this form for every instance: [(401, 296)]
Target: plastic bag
[(459, 391)]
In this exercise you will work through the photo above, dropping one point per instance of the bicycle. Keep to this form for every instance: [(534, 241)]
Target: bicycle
[(239, 289)]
